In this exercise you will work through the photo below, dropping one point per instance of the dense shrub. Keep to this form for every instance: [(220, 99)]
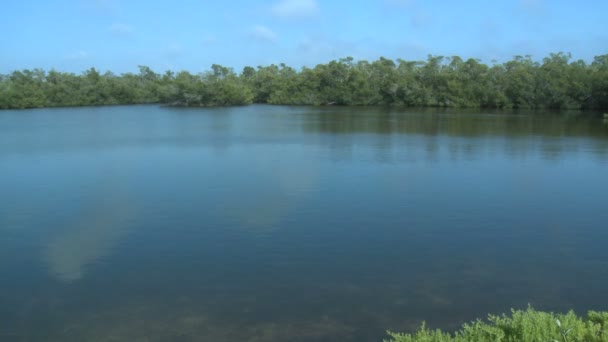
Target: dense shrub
[(557, 82), (529, 325)]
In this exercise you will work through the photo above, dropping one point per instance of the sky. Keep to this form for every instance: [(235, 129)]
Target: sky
[(119, 35)]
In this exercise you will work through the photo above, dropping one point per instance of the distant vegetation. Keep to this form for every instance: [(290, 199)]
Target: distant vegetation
[(529, 325), (556, 83)]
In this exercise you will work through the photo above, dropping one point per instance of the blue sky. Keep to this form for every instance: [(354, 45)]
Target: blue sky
[(119, 35)]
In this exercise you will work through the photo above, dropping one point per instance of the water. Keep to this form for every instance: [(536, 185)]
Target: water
[(304, 224)]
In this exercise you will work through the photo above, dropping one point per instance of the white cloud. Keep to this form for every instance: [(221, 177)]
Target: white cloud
[(263, 33), (296, 9), (78, 55), (121, 30)]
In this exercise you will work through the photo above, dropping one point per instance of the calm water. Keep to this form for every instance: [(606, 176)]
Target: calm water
[(304, 224)]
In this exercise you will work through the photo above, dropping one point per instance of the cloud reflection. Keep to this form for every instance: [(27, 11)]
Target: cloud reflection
[(297, 176), (93, 234)]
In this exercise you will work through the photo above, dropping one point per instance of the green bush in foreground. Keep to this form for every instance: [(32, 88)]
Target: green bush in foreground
[(528, 325)]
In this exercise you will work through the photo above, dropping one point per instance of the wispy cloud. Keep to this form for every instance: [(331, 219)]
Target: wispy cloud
[(296, 9), (533, 8), (173, 51), (209, 39), (321, 48), (78, 55), (531, 5), (121, 30), (404, 3), (104, 6), (412, 50), (534, 16), (263, 33), (420, 19)]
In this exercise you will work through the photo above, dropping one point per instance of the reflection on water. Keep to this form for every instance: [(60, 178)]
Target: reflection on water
[(92, 233), (269, 223), (288, 178)]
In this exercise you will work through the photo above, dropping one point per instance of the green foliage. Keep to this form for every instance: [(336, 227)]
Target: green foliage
[(529, 325), (556, 83)]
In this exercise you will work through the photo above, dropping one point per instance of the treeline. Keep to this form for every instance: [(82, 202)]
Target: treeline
[(557, 83)]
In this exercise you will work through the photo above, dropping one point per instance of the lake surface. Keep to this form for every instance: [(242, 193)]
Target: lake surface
[(262, 223)]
